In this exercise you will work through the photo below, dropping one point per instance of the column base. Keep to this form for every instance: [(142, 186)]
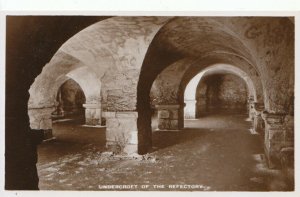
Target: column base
[(258, 122), (121, 132), (168, 117), (92, 114), (277, 139)]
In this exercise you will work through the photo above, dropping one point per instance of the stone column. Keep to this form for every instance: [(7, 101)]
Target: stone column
[(251, 108), (121, 131), (92, 113), (278, 136), (40, 118), (190, 109), (258, 122), (168, 118)]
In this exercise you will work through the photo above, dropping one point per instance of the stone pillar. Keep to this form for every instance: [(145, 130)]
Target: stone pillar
[(121, 131), (258, 122), (168, 118), (287, 153), (59, 112), (40, 118), (190, 109), (251, 110), (92, 113), (278, 136)]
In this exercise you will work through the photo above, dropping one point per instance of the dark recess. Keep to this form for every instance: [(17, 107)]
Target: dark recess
[(31, 41)]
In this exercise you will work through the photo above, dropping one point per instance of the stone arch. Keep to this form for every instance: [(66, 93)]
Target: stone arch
[(113, 49), (230, 95), (190, 88), (219, 39), (167, 89), (117, 50), (70, 99), (43, 92), (92, 89)]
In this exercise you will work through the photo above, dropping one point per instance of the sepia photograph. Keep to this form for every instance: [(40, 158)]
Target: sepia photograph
[(120, 102)]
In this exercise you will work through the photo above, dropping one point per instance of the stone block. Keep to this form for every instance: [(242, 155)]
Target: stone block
[(112, 147), (163, 114), (91, 121), (46, 123), (109, 114), (174, 125), (92, 116), (40, 118), (258, 124), (126, 115), (122, 130), (163, 124), (277, 135), (174, 114), (133, 137), (127, 124), (130, 148), (287, 157), (112, 123)]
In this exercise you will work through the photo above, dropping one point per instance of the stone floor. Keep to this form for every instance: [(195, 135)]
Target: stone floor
[(214, 153)]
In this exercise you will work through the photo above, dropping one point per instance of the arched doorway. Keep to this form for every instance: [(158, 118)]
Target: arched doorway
[(70, 99), (226, 93), (207, 90), (221, 100)]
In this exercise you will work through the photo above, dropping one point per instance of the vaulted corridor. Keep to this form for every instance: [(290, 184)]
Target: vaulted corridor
[(157, 100)]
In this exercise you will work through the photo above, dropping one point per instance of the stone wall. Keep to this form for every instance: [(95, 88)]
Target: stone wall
[(119, 45), (72, 97), (279, 137), (168, 117), (222, 92), (165, 88)]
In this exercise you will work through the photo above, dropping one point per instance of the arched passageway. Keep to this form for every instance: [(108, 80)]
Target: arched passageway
[(185, 46), (220, 91), (70, 99), (225, 93), (43, 103)]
